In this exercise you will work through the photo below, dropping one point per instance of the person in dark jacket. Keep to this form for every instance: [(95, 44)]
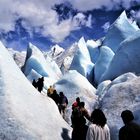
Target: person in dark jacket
[(63, 104), (40, 84), (131, 130), (78, 118), (34, 83), (55, 97)]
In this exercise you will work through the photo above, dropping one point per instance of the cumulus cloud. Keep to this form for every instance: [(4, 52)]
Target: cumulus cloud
[(38, 16)]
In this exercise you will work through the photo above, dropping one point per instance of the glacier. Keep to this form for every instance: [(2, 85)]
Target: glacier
[(119, 31), (74, 85), (36, 61), (81, 61), (93, 48), (102, 63), (122, 93), (113, 64), (24, 113), (126, 58)]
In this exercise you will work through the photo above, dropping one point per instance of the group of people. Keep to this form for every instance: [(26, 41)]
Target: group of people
[(60, 99), (39, 84), (98, 128)]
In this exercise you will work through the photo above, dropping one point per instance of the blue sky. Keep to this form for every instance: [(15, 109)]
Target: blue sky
[(48, 22)]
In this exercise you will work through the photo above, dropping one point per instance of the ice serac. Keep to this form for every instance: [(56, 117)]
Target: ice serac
[(81, 61), (126, 59), (104, 59), (24, 112), (19, 57), (93, 50), (35, 60), (123, 93), (73, 84), (68, 57), (119, 31)]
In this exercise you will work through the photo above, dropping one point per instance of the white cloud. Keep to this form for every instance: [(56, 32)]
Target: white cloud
[(106, 26), (39, 16), (84, 5), (89, 21), (135, 15)]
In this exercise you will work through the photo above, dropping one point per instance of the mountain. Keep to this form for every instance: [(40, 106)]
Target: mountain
[(126, 58), (119, 31), (24, 112)]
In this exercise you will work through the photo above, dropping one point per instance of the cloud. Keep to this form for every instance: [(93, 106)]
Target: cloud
[(135, 15), (84, 5), (38, 16), (106, 26), (89, 21)]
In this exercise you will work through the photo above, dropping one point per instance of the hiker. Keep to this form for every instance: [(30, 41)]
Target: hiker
[(34, 83), (130, 130), (40, 84), (63, 103), (76, 103), (50, 91), (55, 97), (98, 130), (78, 117)]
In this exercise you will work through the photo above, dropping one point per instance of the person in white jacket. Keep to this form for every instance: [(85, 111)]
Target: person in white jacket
[(98, 130)]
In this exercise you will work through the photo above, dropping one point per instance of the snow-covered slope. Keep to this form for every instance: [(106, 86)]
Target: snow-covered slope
[(35, 60), (126, 59), (24, 113), (105, 57), (73, 84), (19, 57), (123, 93), (119, 31), (81, 61)]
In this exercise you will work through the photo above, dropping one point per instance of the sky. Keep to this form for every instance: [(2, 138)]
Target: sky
[(49, 22)]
